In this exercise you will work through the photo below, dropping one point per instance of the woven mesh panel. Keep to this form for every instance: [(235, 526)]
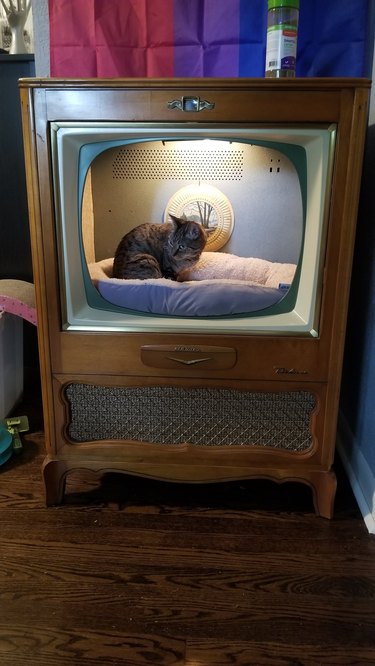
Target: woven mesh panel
[(200, 416), (178, 164)]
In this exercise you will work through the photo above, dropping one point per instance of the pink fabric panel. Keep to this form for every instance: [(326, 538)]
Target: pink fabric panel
[(72, 32), (109, 38)]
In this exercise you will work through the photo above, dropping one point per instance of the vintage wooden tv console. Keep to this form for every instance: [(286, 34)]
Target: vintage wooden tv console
[(147, 404)]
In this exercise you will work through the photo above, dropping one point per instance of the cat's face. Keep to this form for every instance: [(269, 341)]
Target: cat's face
[(186, 235), (186, 242)]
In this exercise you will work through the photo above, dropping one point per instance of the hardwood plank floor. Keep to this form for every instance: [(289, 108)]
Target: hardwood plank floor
[(129, 571)]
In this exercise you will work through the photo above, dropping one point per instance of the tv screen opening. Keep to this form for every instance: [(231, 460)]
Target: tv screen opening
[(259, 192)]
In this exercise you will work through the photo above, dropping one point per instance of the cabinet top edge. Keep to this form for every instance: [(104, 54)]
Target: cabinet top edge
[(196, 83)]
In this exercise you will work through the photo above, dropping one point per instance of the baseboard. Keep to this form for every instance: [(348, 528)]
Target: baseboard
[(359, 473)]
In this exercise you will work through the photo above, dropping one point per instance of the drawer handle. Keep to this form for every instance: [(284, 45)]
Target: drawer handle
[(191, 361), (190, 104)]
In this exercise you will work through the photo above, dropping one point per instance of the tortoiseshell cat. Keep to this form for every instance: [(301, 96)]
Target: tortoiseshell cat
[(159, 250)]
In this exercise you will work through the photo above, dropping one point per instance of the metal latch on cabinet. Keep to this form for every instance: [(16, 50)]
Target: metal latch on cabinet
[(191, 104)]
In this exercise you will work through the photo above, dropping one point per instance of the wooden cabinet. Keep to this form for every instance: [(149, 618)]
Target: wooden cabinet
[(194, 405)]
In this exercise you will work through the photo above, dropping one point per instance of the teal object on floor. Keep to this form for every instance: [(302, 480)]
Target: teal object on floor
[(6, 445)]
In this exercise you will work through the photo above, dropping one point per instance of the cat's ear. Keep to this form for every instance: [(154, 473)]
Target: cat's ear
[(177, 220)]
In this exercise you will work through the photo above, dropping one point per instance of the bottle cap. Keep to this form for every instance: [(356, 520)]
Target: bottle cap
[(274, 4)]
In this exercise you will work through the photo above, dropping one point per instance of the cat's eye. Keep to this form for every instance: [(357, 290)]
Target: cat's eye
[(182, 247)]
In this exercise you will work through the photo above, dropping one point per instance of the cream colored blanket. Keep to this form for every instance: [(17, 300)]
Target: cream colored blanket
[(220, 266)]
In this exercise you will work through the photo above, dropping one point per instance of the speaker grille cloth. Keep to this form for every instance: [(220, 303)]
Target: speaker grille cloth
[(199, 416)]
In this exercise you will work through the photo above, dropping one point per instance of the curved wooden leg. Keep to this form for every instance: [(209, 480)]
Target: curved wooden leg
[(324, 486), (54, 474)]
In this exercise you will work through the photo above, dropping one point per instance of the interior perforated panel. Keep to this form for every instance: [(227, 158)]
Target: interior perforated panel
[(199, 416), (177, 164)]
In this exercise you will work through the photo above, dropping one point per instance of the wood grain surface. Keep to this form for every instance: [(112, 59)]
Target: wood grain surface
[(129, 571)]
